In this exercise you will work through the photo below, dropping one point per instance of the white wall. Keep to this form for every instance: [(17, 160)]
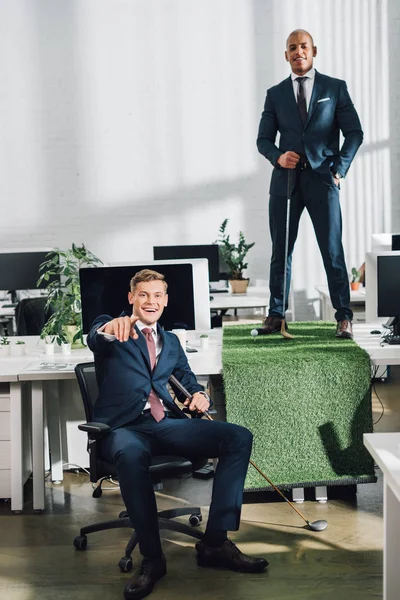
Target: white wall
[(130, 123)]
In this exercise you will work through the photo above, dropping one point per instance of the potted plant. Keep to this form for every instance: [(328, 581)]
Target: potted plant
[(234, 256), (19, 348), (355, 279), (204, 340), (61, 271), (4, 347)]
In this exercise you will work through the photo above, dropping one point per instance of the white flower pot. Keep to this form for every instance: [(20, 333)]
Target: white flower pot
[(204, 342), (49, 349), (66, 348), (4, 350), (18, 350)]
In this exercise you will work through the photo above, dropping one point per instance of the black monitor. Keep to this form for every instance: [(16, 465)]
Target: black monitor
[(104, 290), (396, 241), (20, 270), (209, 251), (388, 268)]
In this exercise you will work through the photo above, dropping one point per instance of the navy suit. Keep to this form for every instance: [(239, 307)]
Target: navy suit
[(125, 379), (330, 112)]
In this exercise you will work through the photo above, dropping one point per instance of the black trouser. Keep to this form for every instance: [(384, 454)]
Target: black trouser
[(322, 203), (132, 446)]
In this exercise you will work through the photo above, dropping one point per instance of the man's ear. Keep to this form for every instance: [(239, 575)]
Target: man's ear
[(166, 300), (286, 56), (314, 51), (130, 297)]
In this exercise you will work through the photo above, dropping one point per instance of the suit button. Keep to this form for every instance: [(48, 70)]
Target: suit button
[(144, 400)]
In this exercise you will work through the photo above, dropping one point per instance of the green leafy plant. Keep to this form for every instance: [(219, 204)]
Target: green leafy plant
[(4, 341), (355, 275), (19, 343), (204, 335), (61, 272), (233, 254)]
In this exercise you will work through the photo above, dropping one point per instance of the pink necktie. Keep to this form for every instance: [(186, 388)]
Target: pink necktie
[(156, 408)]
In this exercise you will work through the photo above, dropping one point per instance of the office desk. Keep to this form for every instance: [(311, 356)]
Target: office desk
[(254, 298), (357, 303), (385, 449), (39, 369), (379, 355)]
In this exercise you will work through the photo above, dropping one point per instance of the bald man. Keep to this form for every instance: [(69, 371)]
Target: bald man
[(309, 110)]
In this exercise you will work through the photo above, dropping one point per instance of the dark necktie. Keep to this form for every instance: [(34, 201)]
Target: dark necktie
[(301, 98), (156, 408)]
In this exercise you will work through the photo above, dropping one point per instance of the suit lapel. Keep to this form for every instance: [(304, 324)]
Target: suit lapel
[(141, 343), (165, 346), (316, 93), (288, 93)]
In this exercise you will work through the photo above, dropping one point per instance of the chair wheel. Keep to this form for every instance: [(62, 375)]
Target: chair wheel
[(97, 492), (123, 514), (125, 564), (80, 542), (195, 520)]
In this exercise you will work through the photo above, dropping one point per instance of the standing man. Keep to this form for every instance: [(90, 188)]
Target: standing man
[(134, 358), (309, 110)]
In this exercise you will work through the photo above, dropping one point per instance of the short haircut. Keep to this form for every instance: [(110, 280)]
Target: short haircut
[(147, 275), (296, 31)]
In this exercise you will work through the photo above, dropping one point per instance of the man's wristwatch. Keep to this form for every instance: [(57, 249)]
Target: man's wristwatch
[(337, 175)]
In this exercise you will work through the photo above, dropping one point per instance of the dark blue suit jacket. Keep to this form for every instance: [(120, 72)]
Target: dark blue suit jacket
[(124, 374), (331, 111)]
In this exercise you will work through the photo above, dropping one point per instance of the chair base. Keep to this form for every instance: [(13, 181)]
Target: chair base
[(164, 522)]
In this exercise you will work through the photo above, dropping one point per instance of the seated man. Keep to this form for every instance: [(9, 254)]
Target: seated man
[(134, 358)]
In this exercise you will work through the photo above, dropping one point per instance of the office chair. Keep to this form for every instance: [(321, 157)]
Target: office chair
[(30, 315), (161, 467)]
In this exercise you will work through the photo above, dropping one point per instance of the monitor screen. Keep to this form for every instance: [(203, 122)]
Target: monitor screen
[(209, 251), (104, 290), (20, 270), (396, 241), (388, 285)]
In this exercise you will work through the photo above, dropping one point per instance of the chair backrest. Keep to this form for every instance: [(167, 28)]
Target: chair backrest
[(30, 315), (86, 376)]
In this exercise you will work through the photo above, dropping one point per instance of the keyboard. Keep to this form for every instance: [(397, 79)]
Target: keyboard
[(8, 306), (392, 339)]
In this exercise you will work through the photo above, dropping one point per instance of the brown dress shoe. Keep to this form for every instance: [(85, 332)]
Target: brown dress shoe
[(272, 324), (145, 578), (228, 556), (344, 329)]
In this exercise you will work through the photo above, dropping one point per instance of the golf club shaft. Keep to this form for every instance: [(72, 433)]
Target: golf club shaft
[(289, 194), (189, 396)]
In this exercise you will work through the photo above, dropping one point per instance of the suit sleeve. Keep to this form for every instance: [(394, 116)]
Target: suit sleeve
[(267, 132), (350, 126), (185, 376), (96, 342)]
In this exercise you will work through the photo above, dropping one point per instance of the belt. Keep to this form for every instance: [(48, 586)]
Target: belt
[(147, 411), (303, 164)]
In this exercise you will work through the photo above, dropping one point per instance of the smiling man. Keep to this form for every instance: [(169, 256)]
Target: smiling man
[(309, 110), (134, 358)]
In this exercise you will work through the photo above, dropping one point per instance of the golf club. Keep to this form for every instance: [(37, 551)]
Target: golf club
[(319, 525), (284, 333)]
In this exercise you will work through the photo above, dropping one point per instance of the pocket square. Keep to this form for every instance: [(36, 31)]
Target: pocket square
[(323, 100)]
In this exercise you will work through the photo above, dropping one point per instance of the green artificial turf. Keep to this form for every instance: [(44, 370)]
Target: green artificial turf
[(307, 402)]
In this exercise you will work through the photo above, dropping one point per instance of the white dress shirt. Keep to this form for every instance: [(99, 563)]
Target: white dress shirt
[(308, 85)]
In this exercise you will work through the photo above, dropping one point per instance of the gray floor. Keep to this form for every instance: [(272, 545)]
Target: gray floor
[(38, 561)]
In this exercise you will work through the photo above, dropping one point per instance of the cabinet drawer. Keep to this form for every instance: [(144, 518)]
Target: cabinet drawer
[(4, 425), (4, 403), (5, 483), (5, 454)]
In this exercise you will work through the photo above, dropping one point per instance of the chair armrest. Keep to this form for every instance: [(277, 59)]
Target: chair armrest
[(95, 429)]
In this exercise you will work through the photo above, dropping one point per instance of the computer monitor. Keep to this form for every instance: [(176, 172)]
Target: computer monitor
[(19, 270), (209, 251), (395, 241), (104, 290), (388, 269)]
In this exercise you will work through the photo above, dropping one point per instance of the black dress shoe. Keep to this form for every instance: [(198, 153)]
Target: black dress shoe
[(145, 578), (344, 329), (272, 324), (228, 556)]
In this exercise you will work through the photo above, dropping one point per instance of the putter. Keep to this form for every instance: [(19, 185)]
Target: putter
[(319, 525), (284, 333)]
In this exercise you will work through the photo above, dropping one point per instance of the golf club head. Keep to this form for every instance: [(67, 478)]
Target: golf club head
[(284, 333), (317, 525)]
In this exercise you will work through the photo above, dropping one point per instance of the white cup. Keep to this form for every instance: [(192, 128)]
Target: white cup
[(204, 341), (181, 335), (49, 349)]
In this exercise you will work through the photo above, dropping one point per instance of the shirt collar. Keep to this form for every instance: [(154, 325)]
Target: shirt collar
[(310, 74), (141, 326)]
